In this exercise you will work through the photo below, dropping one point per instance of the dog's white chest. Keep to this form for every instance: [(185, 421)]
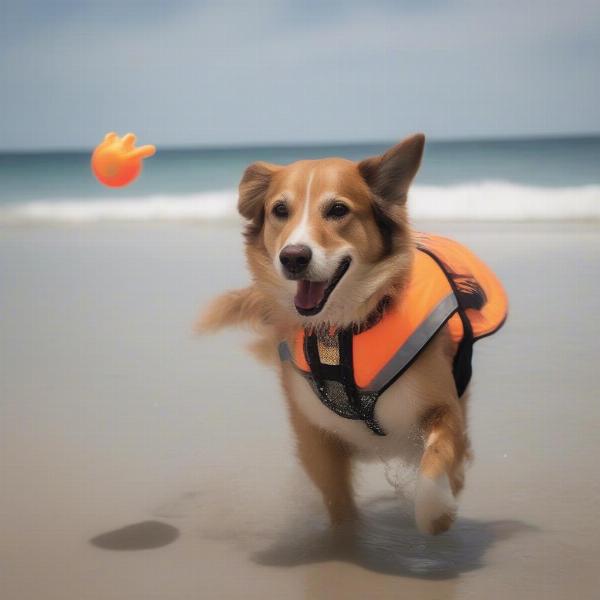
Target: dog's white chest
[(395, 411)]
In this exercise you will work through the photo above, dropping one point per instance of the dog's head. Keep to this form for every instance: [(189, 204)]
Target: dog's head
[(327, 238)]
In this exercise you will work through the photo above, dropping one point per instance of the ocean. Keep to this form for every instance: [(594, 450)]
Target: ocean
[(525, 179)]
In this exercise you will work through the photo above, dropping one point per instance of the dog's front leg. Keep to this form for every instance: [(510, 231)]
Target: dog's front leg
[(328, 463), (441, 471)]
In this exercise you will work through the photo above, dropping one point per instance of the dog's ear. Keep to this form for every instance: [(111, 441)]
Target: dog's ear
[(390, 174), (253, 187)]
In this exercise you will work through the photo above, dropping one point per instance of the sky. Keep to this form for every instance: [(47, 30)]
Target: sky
[(191, 73)]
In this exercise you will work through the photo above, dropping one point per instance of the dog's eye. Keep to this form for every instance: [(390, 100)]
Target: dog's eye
[(280, 210), (337, 210)]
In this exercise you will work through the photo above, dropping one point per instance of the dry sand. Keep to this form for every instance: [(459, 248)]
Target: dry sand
[(114, 416)]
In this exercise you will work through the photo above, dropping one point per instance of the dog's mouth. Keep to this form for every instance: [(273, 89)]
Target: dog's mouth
[(311, 296)]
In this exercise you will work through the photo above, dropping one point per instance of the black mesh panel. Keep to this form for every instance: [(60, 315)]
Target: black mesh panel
[(332, 377)]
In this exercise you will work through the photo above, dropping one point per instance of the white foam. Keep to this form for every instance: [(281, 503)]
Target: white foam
[(504, 201), (204, 207), (485, 201)]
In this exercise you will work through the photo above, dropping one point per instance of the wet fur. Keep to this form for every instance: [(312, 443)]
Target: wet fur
[(426, 421)]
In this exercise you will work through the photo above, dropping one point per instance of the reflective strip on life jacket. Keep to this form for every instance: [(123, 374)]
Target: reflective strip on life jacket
[(425, 304), (414, 344), (284, 352)]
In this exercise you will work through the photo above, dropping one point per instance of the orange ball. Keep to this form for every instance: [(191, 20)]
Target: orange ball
[(116, 162)]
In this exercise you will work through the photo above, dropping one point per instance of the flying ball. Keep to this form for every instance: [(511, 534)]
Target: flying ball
[(116, 162)]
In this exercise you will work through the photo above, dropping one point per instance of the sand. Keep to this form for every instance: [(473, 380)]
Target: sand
[(138, 461)]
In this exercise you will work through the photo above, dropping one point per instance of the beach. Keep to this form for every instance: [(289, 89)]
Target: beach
[(115, 415)]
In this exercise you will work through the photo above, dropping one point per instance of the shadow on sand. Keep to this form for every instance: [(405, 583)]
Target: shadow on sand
[(386, 542), (138, 536)]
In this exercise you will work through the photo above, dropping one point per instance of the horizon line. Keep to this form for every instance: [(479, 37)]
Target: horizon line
[(333, 143)]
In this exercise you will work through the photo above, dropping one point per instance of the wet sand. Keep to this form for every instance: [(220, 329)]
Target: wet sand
[(140, 462)]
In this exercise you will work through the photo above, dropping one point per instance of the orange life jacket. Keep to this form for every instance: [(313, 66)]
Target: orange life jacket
[(349, 370)]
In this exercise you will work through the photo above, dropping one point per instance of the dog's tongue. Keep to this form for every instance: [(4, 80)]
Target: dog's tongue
[(309, 293)]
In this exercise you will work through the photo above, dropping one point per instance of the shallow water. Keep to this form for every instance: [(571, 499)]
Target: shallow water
[(140, 462), (526, 179)]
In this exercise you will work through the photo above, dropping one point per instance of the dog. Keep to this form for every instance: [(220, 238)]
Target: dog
[(333, 261)]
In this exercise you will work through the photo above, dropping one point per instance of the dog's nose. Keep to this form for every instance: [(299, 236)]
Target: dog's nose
[(295, 258)]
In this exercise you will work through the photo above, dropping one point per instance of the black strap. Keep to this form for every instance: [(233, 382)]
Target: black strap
[(362, 405), (461, 367)]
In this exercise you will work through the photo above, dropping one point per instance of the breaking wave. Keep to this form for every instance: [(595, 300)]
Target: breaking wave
[(485, 201)]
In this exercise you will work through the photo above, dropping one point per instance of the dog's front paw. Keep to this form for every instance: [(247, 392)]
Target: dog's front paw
[(435, 506)]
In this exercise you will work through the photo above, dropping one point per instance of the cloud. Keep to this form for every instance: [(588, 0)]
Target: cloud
[(237, 72)]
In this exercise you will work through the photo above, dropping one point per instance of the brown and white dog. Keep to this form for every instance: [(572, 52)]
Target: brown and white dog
[(326, 241)]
